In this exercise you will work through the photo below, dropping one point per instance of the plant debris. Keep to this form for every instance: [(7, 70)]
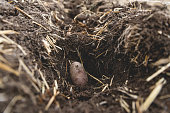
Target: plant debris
[(124, 49)]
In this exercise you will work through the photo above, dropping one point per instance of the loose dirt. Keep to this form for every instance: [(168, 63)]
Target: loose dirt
[(120, 46)]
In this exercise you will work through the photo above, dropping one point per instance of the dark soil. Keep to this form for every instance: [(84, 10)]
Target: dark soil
[(118, 45)]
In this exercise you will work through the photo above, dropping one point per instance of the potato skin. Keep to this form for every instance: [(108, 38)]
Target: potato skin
[(78, 74)]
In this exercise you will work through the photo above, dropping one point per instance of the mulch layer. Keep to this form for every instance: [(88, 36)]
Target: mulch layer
[(120, 47)]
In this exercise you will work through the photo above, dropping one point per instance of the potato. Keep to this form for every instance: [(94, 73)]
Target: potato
[(78, 74)]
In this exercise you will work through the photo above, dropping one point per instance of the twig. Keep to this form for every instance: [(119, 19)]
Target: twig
[(95, 78), (153, 95), (30, 75), (67, 97), (4, 60), (158, 72), (43, 88), (20, 10), (133, 107), (102, 29), (52, 99), (12, 103), (165, 96), (79, 56), (124, 104), (52, 44), (27, 70), (111, 81), (162, 61), (34, 22), (40, 2), (9, 69), (106, 86), (104, 15), (101, 53), (53, 13), (6, 21), (5, 32), (45, 82), (125, 92), (47, 46), (12, 42), (138, 106), (56, 84)]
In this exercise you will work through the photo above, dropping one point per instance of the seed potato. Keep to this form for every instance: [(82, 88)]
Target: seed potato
[(78, 74)]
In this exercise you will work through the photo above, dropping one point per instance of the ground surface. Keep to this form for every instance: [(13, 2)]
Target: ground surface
[(120, 46)]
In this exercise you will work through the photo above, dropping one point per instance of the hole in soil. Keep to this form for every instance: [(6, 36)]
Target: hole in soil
[(89, 63), (106, 65)]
